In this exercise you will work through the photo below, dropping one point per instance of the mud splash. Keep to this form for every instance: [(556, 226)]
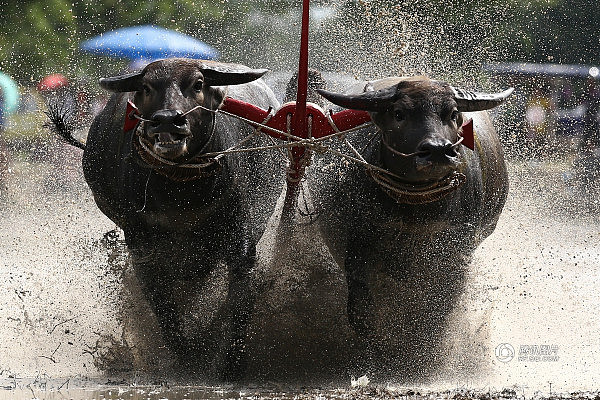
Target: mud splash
[(59, 291), (72, 309)]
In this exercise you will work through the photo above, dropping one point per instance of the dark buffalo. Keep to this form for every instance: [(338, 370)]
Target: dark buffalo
[(405, 241), (185, 215)]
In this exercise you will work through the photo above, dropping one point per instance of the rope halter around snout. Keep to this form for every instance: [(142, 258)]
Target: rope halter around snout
[(416, 153), (407, 193), (196, 167)]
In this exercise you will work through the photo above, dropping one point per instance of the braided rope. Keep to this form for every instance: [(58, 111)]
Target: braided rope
[(407, 194)]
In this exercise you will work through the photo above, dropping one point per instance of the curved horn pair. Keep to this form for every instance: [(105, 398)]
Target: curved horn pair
[(214, 75), (380, 100)]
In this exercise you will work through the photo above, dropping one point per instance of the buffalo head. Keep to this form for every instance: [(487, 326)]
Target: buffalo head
[(420, 121), (168, 93)]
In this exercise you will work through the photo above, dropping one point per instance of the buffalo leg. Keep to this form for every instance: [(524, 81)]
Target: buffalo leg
[(240, 301), (152, 268), (360, 306), (240, 305)]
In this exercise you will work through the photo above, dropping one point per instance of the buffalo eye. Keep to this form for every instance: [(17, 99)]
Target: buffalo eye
[(399, 115), (198, 86), (454, 116), (146, 90)]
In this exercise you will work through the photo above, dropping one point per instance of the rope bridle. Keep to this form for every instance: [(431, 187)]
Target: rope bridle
[(416, 153), (207, 164), (407, 193), (411, 194), (198, 166)]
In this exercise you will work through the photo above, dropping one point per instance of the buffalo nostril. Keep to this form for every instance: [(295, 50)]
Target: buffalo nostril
[(439, 150), (451, 151), (174, 117), (427, 149), (425, 154), (179, 120)]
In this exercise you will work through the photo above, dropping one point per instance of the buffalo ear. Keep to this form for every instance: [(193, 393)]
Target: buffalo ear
[(125, 83), (230, 74), (370, 100)]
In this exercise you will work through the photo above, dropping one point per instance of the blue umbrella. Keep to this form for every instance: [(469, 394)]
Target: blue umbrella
[(148, 42)]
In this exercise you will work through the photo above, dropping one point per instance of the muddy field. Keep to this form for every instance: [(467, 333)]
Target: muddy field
[(74, 325)]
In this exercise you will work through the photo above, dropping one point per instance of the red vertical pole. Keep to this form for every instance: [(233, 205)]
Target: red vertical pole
[(299, 120)]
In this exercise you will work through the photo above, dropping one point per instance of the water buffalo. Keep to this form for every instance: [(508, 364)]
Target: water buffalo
[(405, 239), (185, 215)]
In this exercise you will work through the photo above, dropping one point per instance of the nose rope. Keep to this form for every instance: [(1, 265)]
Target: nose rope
[(199, 154), (140, 118), (190, 110), (390, 148), (416, 153), (459, 141)]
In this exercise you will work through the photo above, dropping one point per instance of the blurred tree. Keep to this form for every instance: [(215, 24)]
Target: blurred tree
[(367, 37), (38, 37), (564, 31)]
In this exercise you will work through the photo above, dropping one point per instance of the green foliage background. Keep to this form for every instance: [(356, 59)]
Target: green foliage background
[(367, 37)]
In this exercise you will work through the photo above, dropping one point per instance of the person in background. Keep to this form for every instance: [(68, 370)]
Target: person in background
[(3, 151), (315, 81), (540, 119), (586, 164), (591, 119), (564, 94)]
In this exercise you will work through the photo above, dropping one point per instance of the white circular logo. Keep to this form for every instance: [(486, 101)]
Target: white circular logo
[(505, 352)]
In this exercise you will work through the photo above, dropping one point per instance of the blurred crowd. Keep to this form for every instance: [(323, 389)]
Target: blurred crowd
[(549, 118), (24, 138), (556, 120)]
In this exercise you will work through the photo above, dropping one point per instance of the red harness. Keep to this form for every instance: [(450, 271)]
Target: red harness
[(321, 126), (342, 120), (130, 119)]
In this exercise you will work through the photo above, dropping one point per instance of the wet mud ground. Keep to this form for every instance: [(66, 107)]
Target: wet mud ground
[(533, 286)]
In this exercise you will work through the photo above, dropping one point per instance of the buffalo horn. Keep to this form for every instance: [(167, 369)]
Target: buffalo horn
[(214, 76), (472, 101), (124, 83), (367, 101)]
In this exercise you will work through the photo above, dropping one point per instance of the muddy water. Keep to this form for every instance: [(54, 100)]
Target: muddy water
[(74, 325), (545, 255)]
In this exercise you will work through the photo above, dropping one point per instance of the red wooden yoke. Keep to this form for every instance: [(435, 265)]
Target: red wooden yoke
[(321, 127), (293, 118), (286, 120)]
